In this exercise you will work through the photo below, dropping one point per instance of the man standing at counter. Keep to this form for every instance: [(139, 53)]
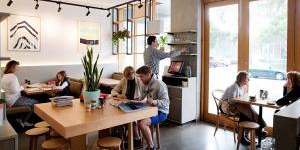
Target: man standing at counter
[(152, 55)]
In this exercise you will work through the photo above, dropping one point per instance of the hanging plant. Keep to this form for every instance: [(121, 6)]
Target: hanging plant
[(163, 40), (119, 35)]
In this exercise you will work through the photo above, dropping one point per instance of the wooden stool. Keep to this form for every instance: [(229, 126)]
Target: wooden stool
[(33, 136), (251, 127), (156, 129), (42, 124), (55, 144), (112, 143)]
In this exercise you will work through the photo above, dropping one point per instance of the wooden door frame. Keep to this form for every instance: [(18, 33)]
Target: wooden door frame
[(293, 47)]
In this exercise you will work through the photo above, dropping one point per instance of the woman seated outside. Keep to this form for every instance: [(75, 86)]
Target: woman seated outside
[(129, 88), (244, 111), (13, 89), (291, 89)]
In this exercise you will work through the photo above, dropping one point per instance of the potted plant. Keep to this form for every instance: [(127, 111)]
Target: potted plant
[(92, 76), (163, 40), (122, 34)]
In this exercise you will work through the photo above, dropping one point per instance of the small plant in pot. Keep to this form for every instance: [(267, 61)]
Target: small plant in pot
[(119, 35), (163, 41), (92, 75)]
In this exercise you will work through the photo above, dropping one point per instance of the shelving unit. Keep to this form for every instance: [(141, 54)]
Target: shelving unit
[(183, 99)]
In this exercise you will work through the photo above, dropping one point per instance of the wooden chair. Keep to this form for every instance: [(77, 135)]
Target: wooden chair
[(33, 134), (111, 143), (216, 94), (42, 124), (156, 129), (55, 144), (251, 127)]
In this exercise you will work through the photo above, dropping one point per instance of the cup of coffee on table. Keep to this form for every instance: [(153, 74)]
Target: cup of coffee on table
[(252, 98)]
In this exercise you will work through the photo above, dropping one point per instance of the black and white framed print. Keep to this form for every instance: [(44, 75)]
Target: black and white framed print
[(24, 33)]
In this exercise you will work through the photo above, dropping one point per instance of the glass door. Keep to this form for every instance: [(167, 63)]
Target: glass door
[(222, 50)]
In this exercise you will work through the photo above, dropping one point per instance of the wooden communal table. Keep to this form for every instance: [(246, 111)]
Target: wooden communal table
[(260, 103), (37, 88), (75, 122)]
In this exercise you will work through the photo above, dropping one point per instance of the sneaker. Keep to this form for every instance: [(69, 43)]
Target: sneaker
[(153, 148)]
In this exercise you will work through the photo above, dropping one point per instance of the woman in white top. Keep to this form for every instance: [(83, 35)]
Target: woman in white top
[(62, 84), (13, 89), (240, 89)]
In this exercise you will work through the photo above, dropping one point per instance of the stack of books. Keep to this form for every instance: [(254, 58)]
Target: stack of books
[(62, 101)]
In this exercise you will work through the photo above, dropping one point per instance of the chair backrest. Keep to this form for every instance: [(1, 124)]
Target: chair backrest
[(76, 87), (217, 95)]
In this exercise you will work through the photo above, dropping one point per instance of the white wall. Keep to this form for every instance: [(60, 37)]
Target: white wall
[(59, 37)]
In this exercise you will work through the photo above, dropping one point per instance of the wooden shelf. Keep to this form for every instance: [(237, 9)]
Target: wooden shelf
[(190, 31), (182, 43)]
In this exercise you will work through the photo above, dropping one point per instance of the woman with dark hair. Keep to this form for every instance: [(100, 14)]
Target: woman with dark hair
[(12, 88), (62, 84), (291, 92)]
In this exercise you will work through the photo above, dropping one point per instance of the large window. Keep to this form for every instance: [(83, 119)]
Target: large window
[(223, 32), (261, 47), (267, 49)]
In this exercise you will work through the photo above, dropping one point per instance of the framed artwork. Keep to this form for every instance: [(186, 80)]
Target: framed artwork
[(23, 33), (89, 35)]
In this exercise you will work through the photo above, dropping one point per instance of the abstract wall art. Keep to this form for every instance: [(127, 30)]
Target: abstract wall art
[(23, 33), (89, 35)]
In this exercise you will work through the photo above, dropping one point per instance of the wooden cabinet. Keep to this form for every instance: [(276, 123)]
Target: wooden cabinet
[(183, 102)]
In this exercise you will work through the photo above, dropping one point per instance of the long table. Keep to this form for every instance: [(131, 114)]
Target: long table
[(260, 103), (74, 123)]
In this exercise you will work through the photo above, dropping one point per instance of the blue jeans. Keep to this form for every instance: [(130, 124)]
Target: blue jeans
[(160, 117)]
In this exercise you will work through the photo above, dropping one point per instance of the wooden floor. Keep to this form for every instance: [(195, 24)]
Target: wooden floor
[(192, 136)]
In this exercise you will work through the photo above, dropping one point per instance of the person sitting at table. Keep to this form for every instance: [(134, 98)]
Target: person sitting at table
[(291, 89), (128, 88), (62, 84), (153, 92), (13, 89), (239, 89)]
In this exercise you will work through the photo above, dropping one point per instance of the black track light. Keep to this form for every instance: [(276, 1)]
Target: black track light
[(140, 5), (108, 15), (9, 3), (37, 5), (59, 8), (88, 13)]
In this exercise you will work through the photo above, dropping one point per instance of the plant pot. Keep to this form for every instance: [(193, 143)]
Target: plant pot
[(89, 96)]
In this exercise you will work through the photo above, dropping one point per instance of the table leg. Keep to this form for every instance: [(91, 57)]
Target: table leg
[(78, 142), (260, 127), (130, 136)]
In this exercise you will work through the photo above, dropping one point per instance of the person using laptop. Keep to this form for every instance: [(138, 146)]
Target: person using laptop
[(128, 88), (152, 55), (153, 92)]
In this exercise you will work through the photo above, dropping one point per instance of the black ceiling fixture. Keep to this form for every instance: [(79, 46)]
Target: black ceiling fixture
[(108, 14), (140, 5), (9, 3), (59, 8), (37, 5), (88, 12)]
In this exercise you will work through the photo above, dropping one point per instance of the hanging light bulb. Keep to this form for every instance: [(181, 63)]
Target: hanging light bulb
[(140, 5), (59, 8), (9, 3), (88, 13), (37, 5)]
